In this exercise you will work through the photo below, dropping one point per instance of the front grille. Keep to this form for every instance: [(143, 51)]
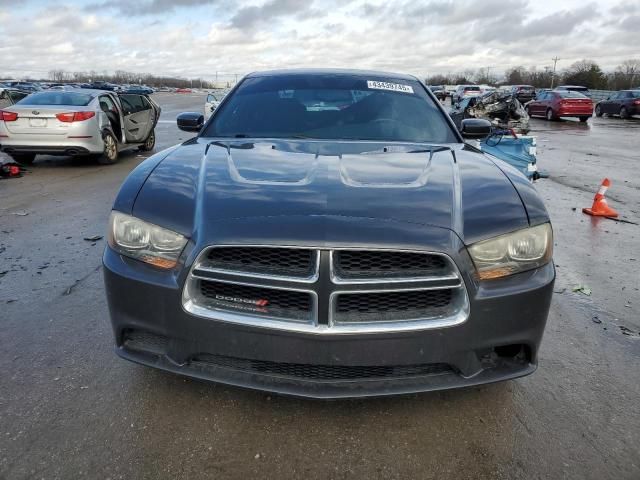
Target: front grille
[(323, 290), (389, 306), (287, 262), (269, 302), (319, 372), (364, 264)]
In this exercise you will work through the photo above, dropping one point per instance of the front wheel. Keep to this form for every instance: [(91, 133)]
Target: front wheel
[(624, 113), (23, 157), (550, 116), (584, 119), (599, 111), (110, 153), (149, 143)]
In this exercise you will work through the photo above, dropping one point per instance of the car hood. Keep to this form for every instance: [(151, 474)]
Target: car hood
[(200, 187)]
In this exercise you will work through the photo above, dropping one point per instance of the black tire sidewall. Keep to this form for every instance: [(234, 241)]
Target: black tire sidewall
[(150, 147), (103, 159)]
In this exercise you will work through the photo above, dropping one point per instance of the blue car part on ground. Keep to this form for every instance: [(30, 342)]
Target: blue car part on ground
[(517, 150)]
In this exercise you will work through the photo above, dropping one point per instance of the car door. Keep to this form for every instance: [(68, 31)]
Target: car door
[(626, 100), (535, 107), (611, 105), (139, 117), (604, 104)]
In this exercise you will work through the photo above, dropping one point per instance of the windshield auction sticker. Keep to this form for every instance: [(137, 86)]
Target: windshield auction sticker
[(394, 87)]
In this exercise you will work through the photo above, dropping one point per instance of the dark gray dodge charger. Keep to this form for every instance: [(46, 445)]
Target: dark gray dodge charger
[(328, 234)]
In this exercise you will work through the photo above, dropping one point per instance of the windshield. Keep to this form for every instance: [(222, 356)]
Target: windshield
[(331, 106), (571, 94), (57, 98)]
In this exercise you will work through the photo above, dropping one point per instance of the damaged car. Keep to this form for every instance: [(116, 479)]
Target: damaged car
[(78, 123), (508, 140), (354, 249), (502, 109)]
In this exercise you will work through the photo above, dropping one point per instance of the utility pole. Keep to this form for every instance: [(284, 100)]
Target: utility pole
[(553, 74)]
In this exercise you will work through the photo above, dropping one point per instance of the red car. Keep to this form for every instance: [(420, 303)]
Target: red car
[(560, 103), (183, 90)]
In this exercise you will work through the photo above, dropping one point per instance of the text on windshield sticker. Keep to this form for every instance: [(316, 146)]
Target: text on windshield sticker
[(394, 87)]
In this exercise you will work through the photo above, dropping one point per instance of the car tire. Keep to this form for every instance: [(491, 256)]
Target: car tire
[(23, 157), (598, 111), (624, 113), (584, 119), (550, 115), (110, 153), (149, 143)]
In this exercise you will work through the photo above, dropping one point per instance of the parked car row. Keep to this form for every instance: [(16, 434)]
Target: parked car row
[(571, 101)]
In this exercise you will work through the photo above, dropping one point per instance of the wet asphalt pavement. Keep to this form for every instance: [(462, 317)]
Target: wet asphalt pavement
[(69, 408)]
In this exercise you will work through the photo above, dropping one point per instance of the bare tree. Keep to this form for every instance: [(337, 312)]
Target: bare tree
[(631, 70)]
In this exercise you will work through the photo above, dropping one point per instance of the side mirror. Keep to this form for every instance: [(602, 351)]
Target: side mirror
[(475, 128), (190, 121)]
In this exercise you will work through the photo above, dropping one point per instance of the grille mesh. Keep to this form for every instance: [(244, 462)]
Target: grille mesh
[(357, 264), (242, 298), (319, 372), (292, 262), (145, 341), (386, 306)]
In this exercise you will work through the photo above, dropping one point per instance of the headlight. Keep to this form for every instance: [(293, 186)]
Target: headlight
[(144, 241), (513, 253)]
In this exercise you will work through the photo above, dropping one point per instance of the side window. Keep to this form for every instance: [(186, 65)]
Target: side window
[(542, 96), (628, 95), (4, 100), (210, 98), (106, 102), (134, 103), (15, 96)]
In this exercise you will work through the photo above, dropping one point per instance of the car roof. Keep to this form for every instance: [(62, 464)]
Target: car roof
[(571, 86), (325, 71)]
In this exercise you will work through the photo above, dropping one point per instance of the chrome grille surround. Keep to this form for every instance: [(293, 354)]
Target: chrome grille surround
[(325, 288)]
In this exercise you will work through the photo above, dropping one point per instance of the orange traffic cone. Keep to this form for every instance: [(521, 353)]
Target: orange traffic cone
[(600, 208)]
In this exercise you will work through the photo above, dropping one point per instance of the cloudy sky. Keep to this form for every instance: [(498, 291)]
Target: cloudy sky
[(192, 38)]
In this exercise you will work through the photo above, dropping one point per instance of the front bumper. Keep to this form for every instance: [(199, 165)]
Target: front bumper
[(499, 341)]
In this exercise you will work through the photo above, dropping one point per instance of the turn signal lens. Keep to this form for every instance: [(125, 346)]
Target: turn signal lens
[(513, 253)]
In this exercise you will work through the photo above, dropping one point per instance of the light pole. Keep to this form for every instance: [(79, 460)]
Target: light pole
[(553, 74)]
